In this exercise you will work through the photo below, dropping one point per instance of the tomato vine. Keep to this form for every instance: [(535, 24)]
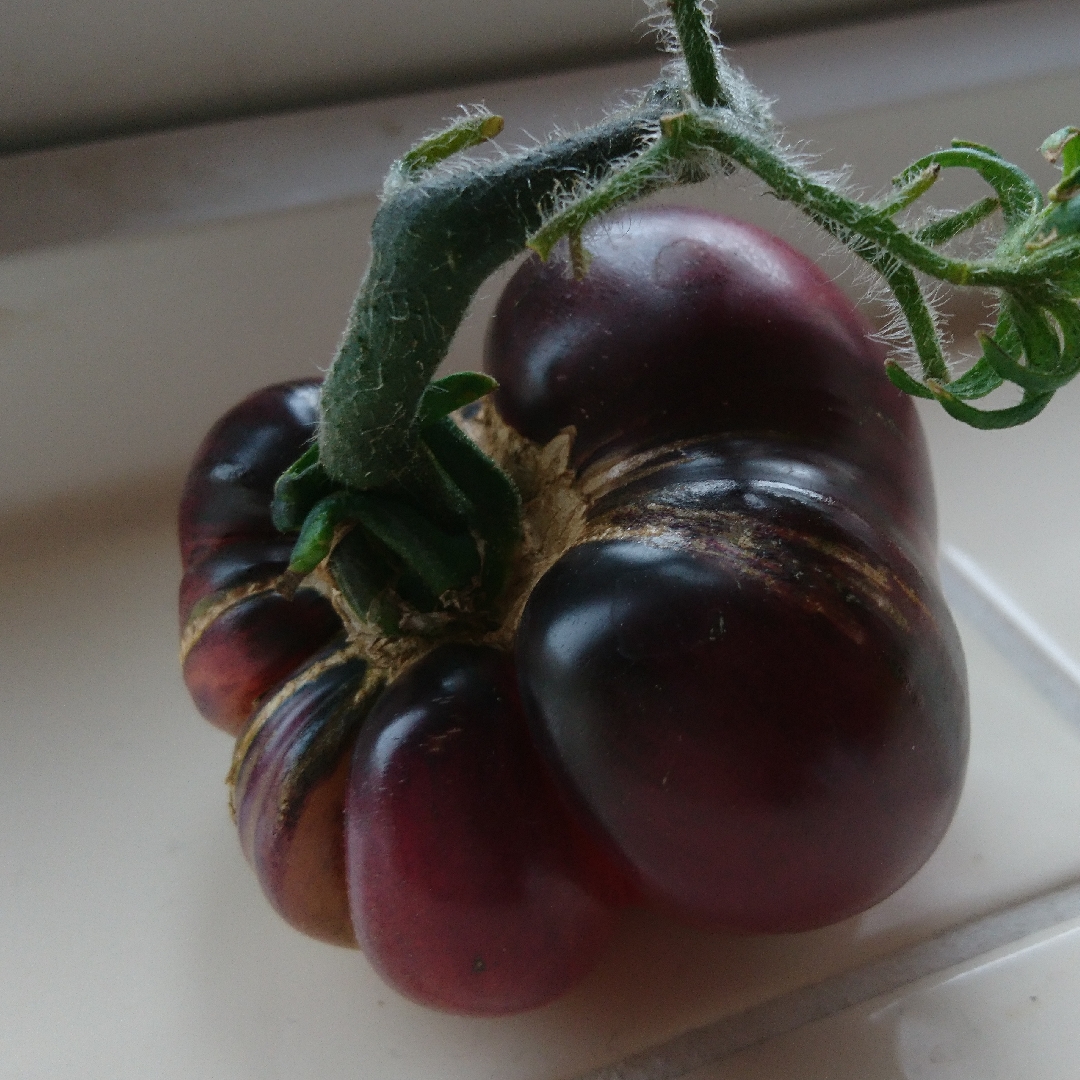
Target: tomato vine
[(388, 457)]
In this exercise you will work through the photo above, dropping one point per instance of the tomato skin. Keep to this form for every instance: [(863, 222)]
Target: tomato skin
[(739, 698), (248, 649), (232, 555), (745, 675), (251, 647), (226, 498), (466, 890)]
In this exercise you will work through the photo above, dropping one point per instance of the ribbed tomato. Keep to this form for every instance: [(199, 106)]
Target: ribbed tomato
[(473, 889), (735, 693)]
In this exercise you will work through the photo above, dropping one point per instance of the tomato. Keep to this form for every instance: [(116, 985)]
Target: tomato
[(745, 675), (240, 635), (736, 694)]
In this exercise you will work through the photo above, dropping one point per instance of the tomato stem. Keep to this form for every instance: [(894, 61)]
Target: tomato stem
[(464, 134), (442, 230), (699, 50)]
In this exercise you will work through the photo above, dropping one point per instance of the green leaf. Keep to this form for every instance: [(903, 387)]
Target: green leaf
[(1005, 332), (1038, 339), (994, 419), (298, 489), (943, 230), (959, 144), (1064, 218), (317, 533), (442, 561), (363, 573), (490, 490), (978, 381), (463, 134), (1066, 187), (1063, 144), (1019, 195), (906, 289), (443, 396), (903, 381), (1067, 314), (908, 188), (1009, 368)]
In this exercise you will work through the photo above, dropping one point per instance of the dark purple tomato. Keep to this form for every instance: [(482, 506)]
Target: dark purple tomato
[(250, 647), (738, 697), (226, 499), (745, 675), (240, 637), (766, 731), (465, 879)]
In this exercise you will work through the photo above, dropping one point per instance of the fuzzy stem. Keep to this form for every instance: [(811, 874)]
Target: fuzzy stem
[(695, 40), (446, 513), (869, 232), (642, 175), (433, 244), (909, 189), (439, 235), (920, 322), (943, 230), (1070, 154), (859, 226)]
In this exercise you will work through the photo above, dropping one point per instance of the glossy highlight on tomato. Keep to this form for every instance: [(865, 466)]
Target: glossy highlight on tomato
[(736, 696), (471, 887)]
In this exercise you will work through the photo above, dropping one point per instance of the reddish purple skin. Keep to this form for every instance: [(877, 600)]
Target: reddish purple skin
[(769, 738), (227, 540), (758, 739), (465, 888), (765, 754), (230, 484), (290, 793), (252, 647), (232, 563)]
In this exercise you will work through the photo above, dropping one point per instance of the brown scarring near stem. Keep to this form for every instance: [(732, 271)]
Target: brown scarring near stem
[(208, 610)]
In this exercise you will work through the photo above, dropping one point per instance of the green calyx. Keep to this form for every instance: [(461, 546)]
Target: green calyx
[(413, 515), (392, 556)]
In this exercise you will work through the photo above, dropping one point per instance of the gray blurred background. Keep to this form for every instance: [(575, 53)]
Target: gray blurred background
[(77, 69)]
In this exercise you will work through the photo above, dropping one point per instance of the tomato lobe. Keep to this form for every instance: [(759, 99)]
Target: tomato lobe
[(465, 888)]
